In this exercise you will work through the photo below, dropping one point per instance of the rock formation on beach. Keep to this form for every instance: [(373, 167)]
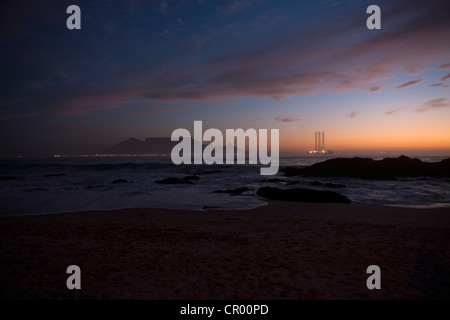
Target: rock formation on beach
[(366, 168), (302, 195), (185, 180)]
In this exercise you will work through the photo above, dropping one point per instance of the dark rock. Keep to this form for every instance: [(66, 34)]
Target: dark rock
[(94, 187), (334, 185), (302, 195), (327, 185), (190, 178), (273, 180), (54, 175), (34, 189), (291, 171), (173, 181), (386, 169), (209, 172), (120, 181), (4, 178), (233, 191), (210, 207)]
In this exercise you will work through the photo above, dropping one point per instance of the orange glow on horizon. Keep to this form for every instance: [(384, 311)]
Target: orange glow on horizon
[(382, 141)]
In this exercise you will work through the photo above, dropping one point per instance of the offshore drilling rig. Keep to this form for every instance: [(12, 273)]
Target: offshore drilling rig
[(319, 145)]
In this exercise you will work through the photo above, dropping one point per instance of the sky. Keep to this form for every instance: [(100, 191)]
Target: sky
[(145, 68)]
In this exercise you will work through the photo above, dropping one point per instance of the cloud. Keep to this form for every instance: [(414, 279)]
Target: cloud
[(409, 83), (284, 66), (239, 6), (444, 78), (155, 111), (439, 85), (352, 114), (82, 105), (393, 111), (163, 6), (434, 104), (413, 67), (195, 44), (11, 115), (375, 88), (258, 63), (445, 66), (87, 122), (288, 118)]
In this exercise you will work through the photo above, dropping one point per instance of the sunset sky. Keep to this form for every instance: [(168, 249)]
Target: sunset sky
[(145, 68)]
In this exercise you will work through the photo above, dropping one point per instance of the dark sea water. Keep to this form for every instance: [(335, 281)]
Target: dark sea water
[(49, 185)]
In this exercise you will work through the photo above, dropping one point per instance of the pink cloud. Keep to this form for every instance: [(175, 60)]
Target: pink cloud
[(445, 66), (409, 83), (445, 77), (85, 104), (375, 88), (290, 65), (434, 104), (439, 85), (352, 114), (155, 111), (288, 118), (393, 111)]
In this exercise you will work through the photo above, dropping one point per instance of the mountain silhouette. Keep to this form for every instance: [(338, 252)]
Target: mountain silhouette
[(156, 146), (153, 146)]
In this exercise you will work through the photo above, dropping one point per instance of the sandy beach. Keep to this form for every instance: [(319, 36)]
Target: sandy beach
[(278, 251)]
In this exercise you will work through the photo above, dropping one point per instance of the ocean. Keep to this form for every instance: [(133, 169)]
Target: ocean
[(66, 184)]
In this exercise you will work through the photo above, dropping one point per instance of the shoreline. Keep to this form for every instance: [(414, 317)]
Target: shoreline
[(282, 250), (422, 207)]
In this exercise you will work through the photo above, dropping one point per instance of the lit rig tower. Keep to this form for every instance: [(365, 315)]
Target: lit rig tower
[(319, 145)]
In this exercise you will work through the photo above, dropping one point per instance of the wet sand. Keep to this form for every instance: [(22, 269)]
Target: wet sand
[(278, 251)]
